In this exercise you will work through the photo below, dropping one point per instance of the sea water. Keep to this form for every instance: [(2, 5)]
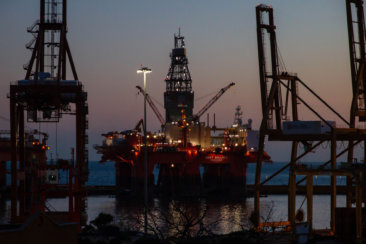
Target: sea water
[(224, 215)]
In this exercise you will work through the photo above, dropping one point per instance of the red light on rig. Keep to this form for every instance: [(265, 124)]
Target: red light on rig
[(136, 154), (43, 147), (247, 153)]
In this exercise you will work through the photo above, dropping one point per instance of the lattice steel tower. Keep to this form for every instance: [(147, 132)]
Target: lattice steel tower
[(178, 97)]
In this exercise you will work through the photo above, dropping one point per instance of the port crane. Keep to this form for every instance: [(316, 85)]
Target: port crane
[(45, 95), (272, 107)]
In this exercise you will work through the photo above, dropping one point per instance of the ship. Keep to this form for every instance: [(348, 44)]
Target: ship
[(187, 157)]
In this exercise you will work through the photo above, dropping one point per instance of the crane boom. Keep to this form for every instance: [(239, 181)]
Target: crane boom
[(212, 101), (152, 105)]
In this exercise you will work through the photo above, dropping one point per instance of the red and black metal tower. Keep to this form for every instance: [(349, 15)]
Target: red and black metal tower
[(178, 97), (46, 95)]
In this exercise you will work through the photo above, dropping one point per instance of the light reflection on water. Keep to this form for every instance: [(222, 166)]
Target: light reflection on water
[(229, 215)]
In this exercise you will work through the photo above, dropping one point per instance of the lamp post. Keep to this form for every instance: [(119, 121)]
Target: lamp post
[(145, 71)]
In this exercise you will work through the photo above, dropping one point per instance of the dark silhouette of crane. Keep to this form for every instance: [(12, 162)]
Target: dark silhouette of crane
[(152, 105), (212, 101)]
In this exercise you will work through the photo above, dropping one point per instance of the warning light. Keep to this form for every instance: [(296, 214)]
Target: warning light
[(43, 147), (136, 154)]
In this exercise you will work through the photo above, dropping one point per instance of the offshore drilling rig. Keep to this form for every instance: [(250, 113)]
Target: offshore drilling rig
[(190, 161)]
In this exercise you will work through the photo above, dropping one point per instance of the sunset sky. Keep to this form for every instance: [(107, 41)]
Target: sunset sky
[(110, 39)]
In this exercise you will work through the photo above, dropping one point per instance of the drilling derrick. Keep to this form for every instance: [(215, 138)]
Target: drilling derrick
[(46, 95), (178, 97)]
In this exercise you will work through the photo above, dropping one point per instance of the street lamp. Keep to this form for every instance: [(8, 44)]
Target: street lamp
[(145, 71)]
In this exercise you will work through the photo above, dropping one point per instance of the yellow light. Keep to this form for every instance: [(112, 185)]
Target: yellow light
[(172, 165)]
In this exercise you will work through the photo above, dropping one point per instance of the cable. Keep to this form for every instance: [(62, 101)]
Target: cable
[(210, 94)]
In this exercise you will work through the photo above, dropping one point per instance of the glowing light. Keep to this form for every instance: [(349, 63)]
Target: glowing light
[(172, 166)]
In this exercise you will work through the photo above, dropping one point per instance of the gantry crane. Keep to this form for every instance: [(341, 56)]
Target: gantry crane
[(46, 95), (356, 38), (272, 105)]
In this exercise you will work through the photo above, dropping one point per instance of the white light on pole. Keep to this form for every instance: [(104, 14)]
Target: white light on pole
[(145, 71)]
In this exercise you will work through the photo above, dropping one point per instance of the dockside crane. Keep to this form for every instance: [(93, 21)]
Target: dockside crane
[(152, 105), (197, 116), (273, 76), (45, 95)]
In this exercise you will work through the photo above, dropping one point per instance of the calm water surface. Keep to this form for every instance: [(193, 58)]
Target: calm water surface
[(228, 215)]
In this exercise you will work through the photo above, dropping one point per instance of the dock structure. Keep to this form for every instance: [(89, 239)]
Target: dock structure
[(278, 126), (45, 95)]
